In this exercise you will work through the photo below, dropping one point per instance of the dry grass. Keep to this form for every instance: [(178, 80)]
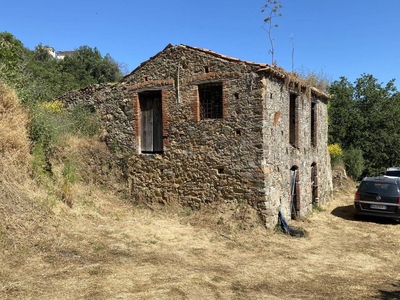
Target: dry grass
[(108, 249), (103, 247)]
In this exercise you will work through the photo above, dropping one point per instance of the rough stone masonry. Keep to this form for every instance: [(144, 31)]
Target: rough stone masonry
[(203, 129)]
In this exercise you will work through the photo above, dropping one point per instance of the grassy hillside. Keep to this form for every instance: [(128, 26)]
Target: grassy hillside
[(71, 234)]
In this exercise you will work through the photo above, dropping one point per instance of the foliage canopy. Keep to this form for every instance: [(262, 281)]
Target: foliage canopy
[(38, 77), (364, 117)]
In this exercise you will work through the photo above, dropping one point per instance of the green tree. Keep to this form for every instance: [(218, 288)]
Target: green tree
[(365, 116), (342, 112), (354, 162), (14, 59), (88, 67)]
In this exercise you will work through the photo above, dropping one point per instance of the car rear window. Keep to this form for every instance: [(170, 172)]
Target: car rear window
[(393, 173), (381, 188)]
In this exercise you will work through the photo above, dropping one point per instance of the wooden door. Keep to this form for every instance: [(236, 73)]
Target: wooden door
[(151, 122)]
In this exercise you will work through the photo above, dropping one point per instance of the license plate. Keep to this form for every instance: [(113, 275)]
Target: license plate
[(382, 207)]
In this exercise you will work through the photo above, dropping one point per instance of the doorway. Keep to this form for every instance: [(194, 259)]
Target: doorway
[(294, 193), (314, 183), (151, 138)]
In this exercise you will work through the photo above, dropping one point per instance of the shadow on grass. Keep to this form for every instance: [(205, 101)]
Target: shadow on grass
[(344, 212), (347, 213), (390, 294)]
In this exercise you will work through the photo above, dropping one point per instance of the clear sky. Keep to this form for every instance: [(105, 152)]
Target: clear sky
[(333, 37)]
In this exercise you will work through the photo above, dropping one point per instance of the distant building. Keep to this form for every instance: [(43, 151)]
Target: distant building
[(63, 54), (51, 51)]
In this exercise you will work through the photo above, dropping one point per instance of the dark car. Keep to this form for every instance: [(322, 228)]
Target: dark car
[(378, 197)]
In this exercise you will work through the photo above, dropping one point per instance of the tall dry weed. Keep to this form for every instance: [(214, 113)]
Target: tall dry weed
[(15, 185), (14, 142)]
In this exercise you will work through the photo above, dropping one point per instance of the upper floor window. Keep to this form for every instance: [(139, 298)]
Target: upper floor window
[(210, 97), (313, 124), (293, 121)]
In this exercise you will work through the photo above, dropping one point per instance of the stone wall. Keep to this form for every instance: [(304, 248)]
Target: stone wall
[(280, 156), (242, 158), (111, 102)]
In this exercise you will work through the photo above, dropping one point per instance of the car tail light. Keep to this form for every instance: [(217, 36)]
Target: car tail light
[(357, 197), (398, 200)]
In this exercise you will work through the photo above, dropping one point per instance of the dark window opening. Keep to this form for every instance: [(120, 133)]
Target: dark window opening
[(236, 96), (220, 170), (293, 121), (313, 124), (210, 96), (206, 69), (238, 132), (151, 137)]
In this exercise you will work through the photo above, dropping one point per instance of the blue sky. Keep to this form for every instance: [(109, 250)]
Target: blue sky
[(333, 38)]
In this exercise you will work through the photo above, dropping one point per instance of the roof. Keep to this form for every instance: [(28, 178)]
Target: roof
[(207, 51), (65, 52), (262, 67)]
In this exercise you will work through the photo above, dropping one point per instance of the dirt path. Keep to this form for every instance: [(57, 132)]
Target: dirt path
[(126, 253)]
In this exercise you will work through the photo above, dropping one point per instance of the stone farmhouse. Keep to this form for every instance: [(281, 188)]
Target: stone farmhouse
[(204, 129)]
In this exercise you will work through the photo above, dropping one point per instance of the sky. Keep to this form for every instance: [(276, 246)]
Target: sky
[(332, 38)]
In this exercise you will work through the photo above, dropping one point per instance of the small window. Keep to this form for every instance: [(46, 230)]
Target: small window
[(313, 124), (293, 121), (210, 97)]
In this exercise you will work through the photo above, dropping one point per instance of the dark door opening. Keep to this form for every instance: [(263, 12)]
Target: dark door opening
[(314, 183), (294, 193), (151, 138)]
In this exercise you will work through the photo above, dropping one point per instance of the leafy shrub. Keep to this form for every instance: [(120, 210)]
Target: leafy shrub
[(84, 120), (70, 173), (354, 162), (50, 123), (40, 164), (45, 127), (54, 107), (336, 154)]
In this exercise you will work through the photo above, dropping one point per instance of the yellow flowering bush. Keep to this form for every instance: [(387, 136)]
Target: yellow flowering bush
[(335, 152), (54, 107)]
